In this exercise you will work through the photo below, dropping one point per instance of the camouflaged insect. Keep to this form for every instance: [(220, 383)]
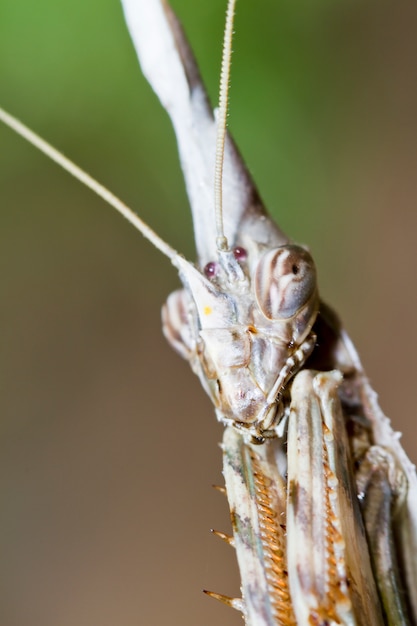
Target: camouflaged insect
[(323, 498)]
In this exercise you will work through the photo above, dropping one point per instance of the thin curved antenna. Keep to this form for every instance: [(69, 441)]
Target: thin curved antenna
[(221, 240), (90, 182)]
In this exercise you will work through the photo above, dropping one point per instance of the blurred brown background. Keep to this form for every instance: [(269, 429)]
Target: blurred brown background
[(108, 447)]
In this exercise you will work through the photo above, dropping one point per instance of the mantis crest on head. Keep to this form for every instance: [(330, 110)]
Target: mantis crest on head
[(257, 433)]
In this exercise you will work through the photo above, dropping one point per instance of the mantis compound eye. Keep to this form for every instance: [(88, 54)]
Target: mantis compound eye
[(285, 281)]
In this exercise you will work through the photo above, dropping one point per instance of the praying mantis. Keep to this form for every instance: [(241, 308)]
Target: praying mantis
[(151, 439)]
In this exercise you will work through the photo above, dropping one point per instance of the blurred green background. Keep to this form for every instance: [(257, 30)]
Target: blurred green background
[(108, 447)]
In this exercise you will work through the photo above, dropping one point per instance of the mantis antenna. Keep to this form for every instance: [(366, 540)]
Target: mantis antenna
[(221, 240), (90, 182)]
